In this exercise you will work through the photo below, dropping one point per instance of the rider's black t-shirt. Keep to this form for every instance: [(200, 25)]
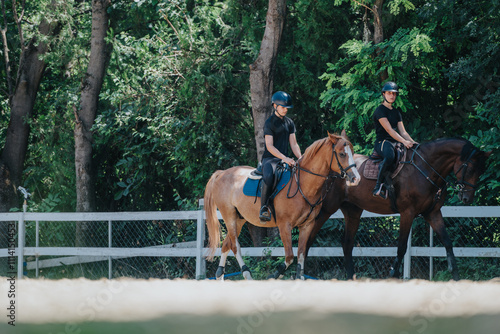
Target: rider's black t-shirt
[(392, 115), (280, 129)]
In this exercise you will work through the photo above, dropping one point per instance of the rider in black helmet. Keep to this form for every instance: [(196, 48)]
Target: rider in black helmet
[(389, 129), (279, 133)]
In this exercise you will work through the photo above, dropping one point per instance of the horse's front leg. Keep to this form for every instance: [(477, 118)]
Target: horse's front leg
[(404, 232), (304, 236), (352, 216), (286, 238), (435, 220)]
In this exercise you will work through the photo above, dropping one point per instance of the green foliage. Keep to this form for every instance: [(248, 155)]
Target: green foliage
[(175, 105), (179, 110), (472, 269), (353, 83)]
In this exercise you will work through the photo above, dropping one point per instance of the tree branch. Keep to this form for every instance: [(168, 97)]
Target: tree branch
[(363, 5), (18, 19), (8, 71)]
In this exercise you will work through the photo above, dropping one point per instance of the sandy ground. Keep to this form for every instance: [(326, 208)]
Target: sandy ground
[(415, 304)]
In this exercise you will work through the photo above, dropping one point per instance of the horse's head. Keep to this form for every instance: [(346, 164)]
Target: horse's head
[(343, 158), (468, 169)]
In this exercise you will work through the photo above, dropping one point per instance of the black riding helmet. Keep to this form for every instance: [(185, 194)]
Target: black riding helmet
[(390, 86), (283, 99)]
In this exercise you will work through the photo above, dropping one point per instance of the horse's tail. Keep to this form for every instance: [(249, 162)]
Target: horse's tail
[(213, 224)]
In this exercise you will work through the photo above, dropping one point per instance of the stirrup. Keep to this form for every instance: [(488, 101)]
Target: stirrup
[(265, 214), (380, 191)]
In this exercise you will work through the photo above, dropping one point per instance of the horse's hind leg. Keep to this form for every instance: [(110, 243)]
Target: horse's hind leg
[(231, 243), (226, 247), (244, 269)]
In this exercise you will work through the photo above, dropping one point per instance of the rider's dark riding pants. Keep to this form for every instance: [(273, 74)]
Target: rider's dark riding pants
[(385, 149), (269, 169)]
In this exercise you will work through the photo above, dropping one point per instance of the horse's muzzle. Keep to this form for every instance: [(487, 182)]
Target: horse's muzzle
[(353, 177)]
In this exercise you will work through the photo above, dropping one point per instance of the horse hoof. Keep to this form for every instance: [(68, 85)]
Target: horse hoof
[(276, 275), (219, 274), (247, 276)]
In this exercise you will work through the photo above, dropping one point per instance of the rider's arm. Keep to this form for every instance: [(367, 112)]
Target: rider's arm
[(274, 151), (394, 134), (404, 134), (295, 146)]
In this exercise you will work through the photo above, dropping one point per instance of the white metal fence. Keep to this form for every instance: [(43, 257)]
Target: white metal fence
[(66, 256)]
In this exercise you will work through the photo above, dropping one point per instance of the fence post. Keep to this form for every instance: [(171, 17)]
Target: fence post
[(110, 241), (20, 246), (407, 258), (22, 235), (200, 242), (431, 259), (37, 244)]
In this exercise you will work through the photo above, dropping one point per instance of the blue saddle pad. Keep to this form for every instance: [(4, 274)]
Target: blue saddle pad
[(252, 187)]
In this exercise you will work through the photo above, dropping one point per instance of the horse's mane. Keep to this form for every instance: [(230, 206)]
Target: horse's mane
[(445, 140), (466, 150), (316, 146), (311, 150)]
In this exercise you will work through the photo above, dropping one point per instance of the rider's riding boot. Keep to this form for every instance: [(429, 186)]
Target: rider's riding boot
[(379, 189), (265, 212)]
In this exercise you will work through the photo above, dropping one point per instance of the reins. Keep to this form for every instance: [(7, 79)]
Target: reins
[(460, 184), (427, 177), (326, 185)]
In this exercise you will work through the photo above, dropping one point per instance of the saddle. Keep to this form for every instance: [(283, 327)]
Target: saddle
[(281, 179), (370, 171)]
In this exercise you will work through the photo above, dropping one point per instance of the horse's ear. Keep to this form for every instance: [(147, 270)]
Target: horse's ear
[(487, 154), (343, 134), (333, 138)]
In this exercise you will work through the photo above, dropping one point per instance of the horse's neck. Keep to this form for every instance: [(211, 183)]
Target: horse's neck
[(442, 156), (313, 183)]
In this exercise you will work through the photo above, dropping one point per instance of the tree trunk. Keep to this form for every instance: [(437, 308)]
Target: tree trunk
[(262, 70), (378, 31), (261, 88), (30, 73), (367, 34), (21, 101), (85, 116), (7, 193)]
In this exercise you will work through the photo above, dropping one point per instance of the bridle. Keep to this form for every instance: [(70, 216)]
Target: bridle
[(326, 185), (462, 183)]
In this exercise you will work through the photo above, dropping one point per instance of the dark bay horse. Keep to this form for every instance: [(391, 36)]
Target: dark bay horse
[(420, 189), (298, 206)]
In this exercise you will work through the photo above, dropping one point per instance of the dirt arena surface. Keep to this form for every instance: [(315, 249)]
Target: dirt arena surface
[(247, 307)]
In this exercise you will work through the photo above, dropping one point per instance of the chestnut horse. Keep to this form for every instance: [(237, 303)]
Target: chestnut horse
[(420, 189), (326, 158)]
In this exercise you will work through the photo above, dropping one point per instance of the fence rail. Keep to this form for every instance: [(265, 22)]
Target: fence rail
[(196, 248)]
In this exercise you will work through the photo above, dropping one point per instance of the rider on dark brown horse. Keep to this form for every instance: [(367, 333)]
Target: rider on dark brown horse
[(389, 129), (279, 132)]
